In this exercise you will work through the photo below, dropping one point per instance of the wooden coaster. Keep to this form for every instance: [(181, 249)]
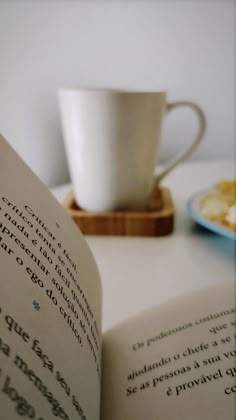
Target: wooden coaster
[(157, 220)]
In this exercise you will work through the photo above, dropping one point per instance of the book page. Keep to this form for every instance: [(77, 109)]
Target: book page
[(174, 362), (50, 304)]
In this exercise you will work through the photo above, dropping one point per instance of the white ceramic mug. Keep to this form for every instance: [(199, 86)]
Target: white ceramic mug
[(112, 140)]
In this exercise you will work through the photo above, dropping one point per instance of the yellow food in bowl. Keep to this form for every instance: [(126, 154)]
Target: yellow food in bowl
[(219, 205)]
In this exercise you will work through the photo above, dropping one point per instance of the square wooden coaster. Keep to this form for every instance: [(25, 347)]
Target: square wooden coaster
[(157, 220)]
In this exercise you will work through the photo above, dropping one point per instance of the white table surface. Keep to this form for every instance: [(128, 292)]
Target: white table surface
[(138, 273)]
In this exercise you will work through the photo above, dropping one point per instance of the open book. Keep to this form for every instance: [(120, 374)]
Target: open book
[(176, 361)]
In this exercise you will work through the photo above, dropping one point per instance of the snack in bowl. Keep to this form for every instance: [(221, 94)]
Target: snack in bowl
[(219, 205)]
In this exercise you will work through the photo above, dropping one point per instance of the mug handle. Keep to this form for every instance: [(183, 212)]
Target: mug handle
[(184, 154)]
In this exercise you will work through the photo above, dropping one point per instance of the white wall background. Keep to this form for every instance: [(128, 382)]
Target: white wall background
[(184, 46)]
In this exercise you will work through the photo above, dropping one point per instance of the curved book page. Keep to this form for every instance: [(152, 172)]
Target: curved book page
[(50, 304)]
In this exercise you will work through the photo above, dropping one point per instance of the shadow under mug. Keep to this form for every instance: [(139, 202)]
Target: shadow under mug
[(112, 139)]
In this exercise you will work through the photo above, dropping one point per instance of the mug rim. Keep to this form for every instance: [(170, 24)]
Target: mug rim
[(108, 90)]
